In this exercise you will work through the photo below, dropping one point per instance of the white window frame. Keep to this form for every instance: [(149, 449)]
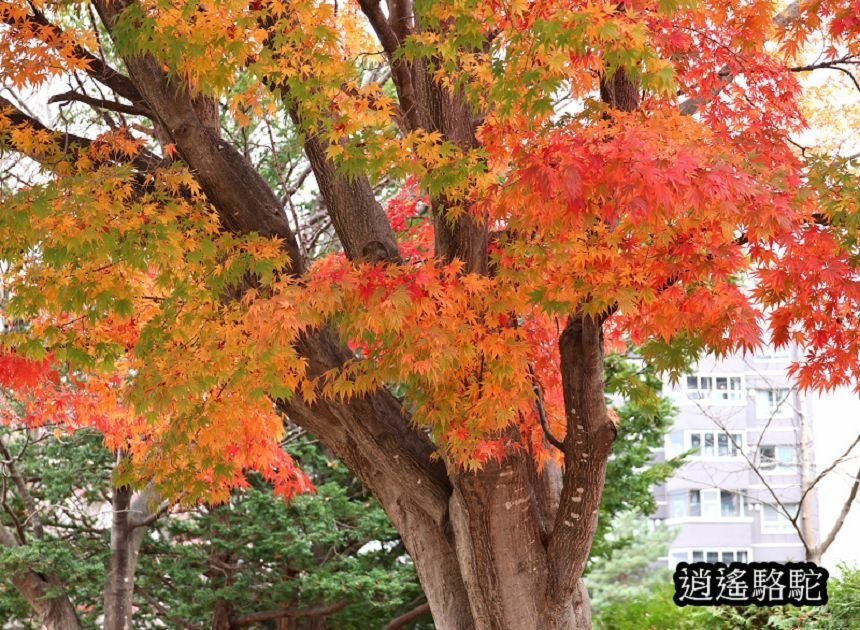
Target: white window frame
[(712, 397), (776, 467), (785, 526), (777, 406), (673, 450), (688, 553), (688, 444), (710, 507)]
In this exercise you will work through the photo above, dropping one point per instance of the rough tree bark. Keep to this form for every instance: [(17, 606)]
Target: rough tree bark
[(119, 584), (503, 548)]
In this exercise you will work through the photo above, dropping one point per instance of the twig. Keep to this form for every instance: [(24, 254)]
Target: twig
[(542, 411)]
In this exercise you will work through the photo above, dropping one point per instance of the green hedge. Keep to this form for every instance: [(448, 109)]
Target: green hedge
[(657, 611)]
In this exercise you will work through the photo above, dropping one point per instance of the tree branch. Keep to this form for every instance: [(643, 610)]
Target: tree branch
[(42, 592), (840, 521), (541, 409), (830, 468), (23, 491), (401, 70), (149, 599), (725, 75), (244, 202), (358, 219), (143, 160), (405, 618), (152, 517), (829, 66), (371, 434), (120, 108)]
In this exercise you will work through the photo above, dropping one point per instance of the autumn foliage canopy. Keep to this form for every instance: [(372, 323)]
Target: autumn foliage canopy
[(685, 216)]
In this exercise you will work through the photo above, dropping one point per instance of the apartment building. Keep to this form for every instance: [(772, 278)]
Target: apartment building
[(746, 428)]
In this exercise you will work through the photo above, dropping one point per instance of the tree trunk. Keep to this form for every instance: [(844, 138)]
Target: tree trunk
[(132, 512), (119, 584), (53, 613), (807, 473), (520, 539), (503, 548), (222, 614)]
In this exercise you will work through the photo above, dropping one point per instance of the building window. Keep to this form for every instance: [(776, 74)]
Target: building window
[(726, 556), (678, 505), (674, 444), (774, 403), (695, 503), (774, 520), (709, 504), (715, 444), (730, 504), (710, 388), (678, 556), (777, 456)]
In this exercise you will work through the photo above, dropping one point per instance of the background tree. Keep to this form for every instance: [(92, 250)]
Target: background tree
[(252, 560), (633, 569), (631, 474), (458, 375)]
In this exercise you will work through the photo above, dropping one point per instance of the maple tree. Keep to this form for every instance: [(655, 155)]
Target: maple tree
[(570, 176)]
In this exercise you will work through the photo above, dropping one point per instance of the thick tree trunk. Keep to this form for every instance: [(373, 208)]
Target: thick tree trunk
[(222, 613), (521, 538), (503, 548)]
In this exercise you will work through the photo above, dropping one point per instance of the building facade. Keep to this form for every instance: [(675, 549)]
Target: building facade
[(749, 436)]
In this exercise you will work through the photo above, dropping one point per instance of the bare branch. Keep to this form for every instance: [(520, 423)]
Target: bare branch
[(121, 108), (830, 468), (149, 599), (405, 618), (541, 409), (829, 66), (23, 491), (152, 517), (840, 521)]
